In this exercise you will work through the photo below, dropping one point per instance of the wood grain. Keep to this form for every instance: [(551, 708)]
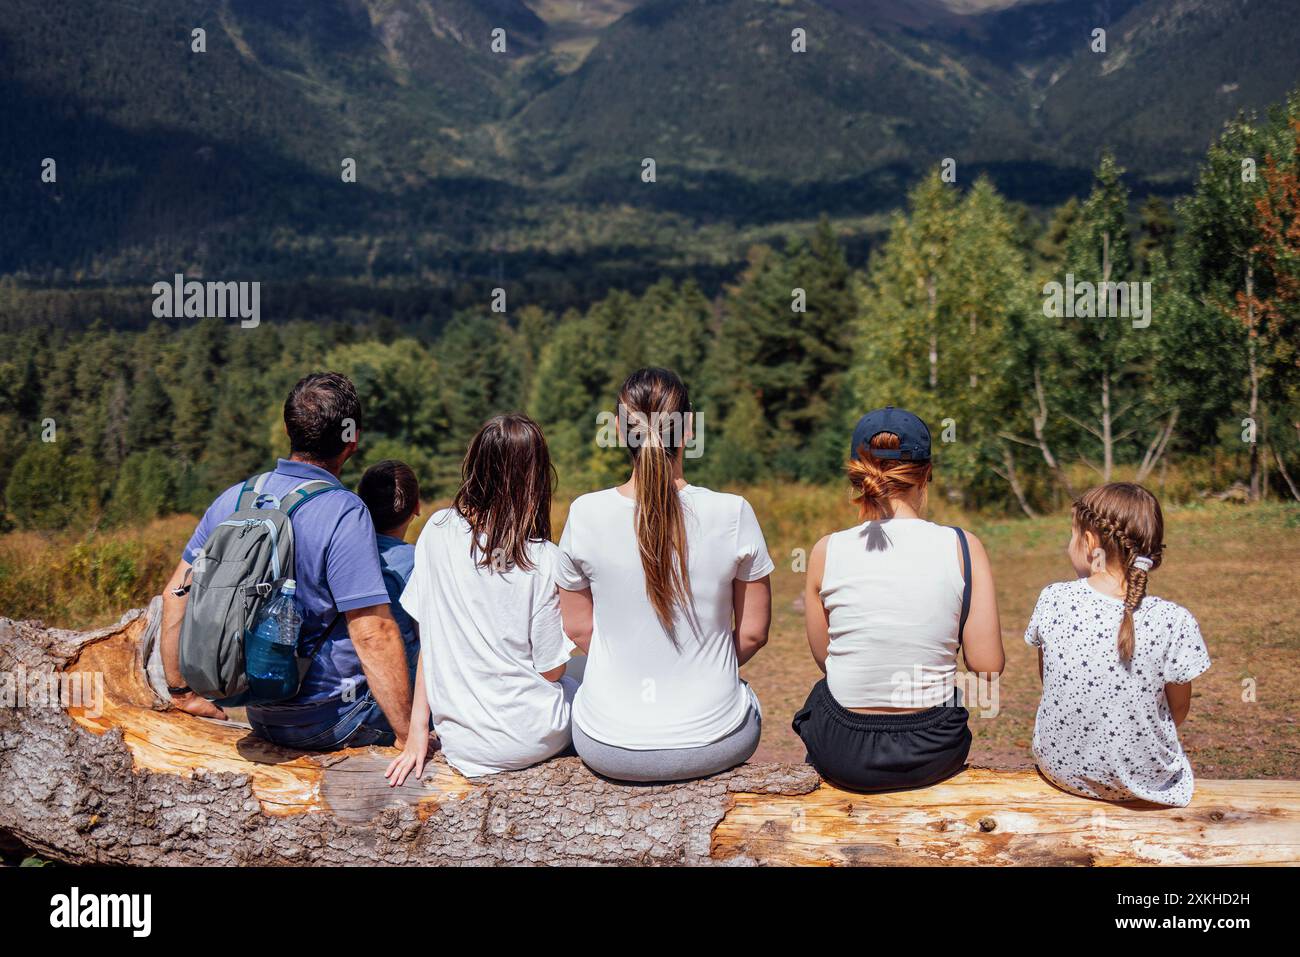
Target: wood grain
[(988, 817), (123, 781)]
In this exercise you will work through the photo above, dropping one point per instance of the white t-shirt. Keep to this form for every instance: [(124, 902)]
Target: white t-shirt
[(1104, 728), (892, 591), (485, 637), (639, 691)]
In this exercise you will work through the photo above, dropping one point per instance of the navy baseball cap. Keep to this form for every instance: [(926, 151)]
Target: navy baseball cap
[(913, 436)]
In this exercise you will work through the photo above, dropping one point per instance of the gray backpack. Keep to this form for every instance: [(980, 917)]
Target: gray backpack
[(239, 567)]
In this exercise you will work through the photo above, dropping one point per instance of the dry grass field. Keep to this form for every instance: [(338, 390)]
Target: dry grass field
[(1234, 566)]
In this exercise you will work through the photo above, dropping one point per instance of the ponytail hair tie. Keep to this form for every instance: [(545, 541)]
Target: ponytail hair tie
[(1143, 563)]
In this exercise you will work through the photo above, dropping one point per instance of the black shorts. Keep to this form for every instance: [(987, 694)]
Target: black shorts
[(882, 752)]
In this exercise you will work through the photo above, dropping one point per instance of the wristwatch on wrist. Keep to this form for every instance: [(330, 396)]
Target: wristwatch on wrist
[(183, 689)]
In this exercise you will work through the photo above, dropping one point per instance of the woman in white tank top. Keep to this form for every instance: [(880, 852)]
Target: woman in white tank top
[(891, 592), (889, 604)]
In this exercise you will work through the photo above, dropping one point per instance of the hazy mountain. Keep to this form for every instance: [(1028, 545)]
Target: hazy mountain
[(230, 159), (1173, 71), (713, 84)]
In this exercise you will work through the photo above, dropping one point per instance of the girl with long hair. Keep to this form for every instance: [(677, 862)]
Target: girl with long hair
[(1116, 663), (666, 586), (889, 605), (493, 658)]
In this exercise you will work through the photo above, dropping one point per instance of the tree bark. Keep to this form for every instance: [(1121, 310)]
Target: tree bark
[(974, 376), (117, 780), (1040, 434), (931, 293), (1156, 450), (1008, 472), (1281, 468), (1107, 443)]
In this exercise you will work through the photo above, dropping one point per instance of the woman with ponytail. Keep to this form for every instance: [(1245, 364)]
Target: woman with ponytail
[(665, 585), (1116, 663), (890, 604)]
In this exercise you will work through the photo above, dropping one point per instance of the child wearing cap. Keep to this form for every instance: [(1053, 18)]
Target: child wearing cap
[(889, 603)]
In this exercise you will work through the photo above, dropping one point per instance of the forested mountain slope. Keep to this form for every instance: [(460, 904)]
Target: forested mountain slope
[(229, 160)]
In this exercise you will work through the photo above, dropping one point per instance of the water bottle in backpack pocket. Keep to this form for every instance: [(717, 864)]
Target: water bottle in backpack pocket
[(238, 572), (271, 661)]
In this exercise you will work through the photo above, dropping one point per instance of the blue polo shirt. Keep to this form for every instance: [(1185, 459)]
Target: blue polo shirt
[(397, 559), (337, 570)]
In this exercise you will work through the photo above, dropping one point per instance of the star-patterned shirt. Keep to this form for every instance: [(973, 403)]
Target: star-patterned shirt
[(1104, 727)]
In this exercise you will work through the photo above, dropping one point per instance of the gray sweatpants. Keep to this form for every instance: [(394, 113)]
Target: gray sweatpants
[(677, 764)]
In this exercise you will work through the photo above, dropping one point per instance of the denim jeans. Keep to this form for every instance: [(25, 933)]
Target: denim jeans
[(358, 723), (351, 724)]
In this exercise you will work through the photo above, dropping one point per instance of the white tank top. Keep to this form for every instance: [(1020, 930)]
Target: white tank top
[(892, 591)]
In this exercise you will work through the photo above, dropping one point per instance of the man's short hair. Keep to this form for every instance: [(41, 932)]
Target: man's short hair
[(391, 492), (321, 410)]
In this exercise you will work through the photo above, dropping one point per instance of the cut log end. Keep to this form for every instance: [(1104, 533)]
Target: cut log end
[(114, 778)]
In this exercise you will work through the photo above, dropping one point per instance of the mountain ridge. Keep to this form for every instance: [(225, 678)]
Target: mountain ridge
[(230, 159)]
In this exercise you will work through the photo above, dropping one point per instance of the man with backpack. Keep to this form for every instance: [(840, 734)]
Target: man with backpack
[(297, 522)]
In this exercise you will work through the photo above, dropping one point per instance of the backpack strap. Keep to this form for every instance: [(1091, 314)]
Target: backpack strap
[(339, 619), (965, 589), (303, 492), (252, 488), (289, 504)]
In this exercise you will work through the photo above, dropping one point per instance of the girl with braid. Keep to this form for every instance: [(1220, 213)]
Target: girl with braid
[(1116, 663)]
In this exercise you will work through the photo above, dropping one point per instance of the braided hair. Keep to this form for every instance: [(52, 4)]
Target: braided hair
[(1128, 523)]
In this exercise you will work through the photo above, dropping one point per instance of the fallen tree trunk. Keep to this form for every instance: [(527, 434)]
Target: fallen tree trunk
[(110, 777)]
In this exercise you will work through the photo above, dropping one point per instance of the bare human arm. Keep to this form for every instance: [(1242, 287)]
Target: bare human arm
[(378, 642), (555, 674), (173, 612), (816, 622), (752, 607), (546, 633), (982, 639), (1180, 701), (416, 751), (577, 613)]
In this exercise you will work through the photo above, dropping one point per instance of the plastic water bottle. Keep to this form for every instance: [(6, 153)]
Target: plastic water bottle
[(271, 647)]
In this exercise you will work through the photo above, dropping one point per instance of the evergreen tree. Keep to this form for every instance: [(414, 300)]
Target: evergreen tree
[(673, 323), (149, 416), (1098, 375), (148, 485), (1050, 247), (574, 383), (52, 488), (785, 339), (194, 394), (114, 446), (1157, 231), (236, 445)]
